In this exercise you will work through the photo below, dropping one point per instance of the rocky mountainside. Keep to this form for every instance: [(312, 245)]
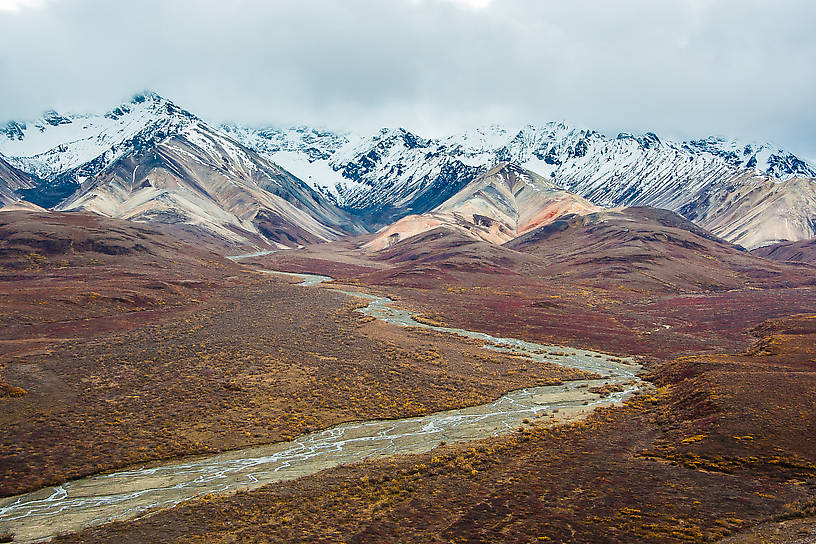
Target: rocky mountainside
[(757, 210), (500, 205), (152, 161), (395, 172), (382, 177), (13, 182)]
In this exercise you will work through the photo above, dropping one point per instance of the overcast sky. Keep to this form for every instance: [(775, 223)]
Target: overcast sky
[(681, 68)]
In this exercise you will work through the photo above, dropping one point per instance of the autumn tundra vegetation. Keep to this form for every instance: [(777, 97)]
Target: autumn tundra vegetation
[(137, 344)]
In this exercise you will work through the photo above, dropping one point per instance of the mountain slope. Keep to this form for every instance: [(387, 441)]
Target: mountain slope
[(65, 150), (444, 250), (498, 206), (13, 180), (758, 210), (200, 178), (80, 237), (382, 177), (396, 172), (83, 144), (803, 251)]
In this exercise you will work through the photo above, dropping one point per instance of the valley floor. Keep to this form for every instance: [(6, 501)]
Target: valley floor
[(255, 363), (726, 442)]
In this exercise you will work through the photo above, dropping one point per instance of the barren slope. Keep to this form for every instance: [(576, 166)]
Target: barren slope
[(755, 211), (500, 205), (202, 179)]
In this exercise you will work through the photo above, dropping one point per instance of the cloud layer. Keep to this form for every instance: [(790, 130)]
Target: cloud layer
[(678, 67)]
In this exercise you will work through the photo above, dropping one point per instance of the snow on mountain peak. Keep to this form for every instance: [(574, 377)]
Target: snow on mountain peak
[(395, 171), (81, 145), (763, 157)]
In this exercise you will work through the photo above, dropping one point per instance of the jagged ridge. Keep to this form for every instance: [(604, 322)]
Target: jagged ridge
[(396, 172)]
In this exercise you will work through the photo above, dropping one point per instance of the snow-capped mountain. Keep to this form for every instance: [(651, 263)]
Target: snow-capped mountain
[(395, 172), (150, 160), (384, 176), (762, 158), (65, 150)]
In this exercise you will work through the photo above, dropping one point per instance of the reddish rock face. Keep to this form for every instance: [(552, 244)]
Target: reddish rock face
[(500, 205)]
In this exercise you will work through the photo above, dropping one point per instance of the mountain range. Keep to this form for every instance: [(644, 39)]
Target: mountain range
[(748, 193), (150, 160)]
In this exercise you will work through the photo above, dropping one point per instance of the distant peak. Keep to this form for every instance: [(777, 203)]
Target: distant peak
[(388, 136), (509, 170), (53, 118), (393, 131), (154, 101), (147, 95), (14, 130)]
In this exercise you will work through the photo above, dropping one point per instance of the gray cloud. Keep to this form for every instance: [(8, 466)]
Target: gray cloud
[(678, 67)]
